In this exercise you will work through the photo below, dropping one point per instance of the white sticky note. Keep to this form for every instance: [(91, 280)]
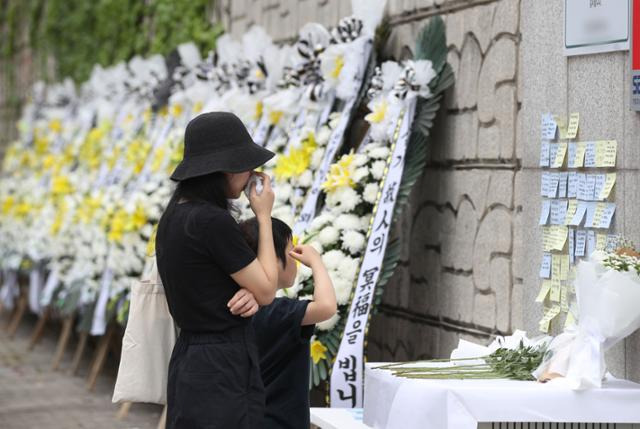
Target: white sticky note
[(558, 212), (590, 155), (581, 242), (601, 180), (545, 183), (572, 187), (580, 212), (576, 154), (582, 186), (591, 187), (553, 185), (544, 154), (591, 212), (545, 267), (561, 153), (553, 152), (562, 184), (607, 215), (548, 127), (544, 212), (572, 246), (591, 242)]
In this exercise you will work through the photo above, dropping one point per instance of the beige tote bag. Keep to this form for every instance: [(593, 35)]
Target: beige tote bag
[(148, 342)]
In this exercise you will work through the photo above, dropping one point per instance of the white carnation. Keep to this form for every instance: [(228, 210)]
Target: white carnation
[(329, 235), (332, 259), (377, 169), (353, 241), (370, 193), (323, 135), (327, 325), (365, 221), (359, 160), (379, 152), (321, 220), (344, 199)]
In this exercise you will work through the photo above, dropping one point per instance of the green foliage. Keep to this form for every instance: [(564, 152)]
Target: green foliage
[(81, 33)]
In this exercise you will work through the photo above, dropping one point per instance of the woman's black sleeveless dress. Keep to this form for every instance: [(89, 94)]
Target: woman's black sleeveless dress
[(214, 376)]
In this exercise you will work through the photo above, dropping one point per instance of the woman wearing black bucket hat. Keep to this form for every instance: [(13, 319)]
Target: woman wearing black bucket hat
[(213, 280)]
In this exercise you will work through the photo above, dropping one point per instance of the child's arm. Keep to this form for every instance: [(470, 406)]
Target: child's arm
[(324, 305)]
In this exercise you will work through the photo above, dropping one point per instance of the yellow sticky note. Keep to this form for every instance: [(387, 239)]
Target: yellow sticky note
[(571, 211), (572, 130), (544, 290), (555, 266), (554, 294), (601, 241), (549, 315), (570, 320), (578, 160), (559, 235), (608, 186), (606, 151), (564, 299), (564, 267), (562, 126), (560, 155)]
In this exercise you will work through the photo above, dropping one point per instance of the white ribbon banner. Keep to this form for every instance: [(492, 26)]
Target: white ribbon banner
[(99, 323), (309, 208), (347, 374)]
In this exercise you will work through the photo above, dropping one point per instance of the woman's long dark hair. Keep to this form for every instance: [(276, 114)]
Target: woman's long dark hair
[(208, 189)]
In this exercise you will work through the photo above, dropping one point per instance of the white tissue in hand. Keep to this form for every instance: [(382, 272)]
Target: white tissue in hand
[(259, 186)]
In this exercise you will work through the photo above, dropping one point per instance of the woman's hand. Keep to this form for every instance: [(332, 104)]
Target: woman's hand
[(306, 254), (262, 204), (243, 304)]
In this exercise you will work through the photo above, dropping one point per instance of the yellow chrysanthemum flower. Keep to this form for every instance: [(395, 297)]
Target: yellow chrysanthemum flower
[(158, 159), (137, 219), (61, 185), (59, 218), (151, 245), (8, 204), (259, 108), (55, 125), (318, 351), (197, 107), (117, 225), (176, 110), (340, 174), (275, 116), (297, 160), (379, 112)]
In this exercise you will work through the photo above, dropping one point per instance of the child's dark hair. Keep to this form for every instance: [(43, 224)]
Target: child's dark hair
[(281, 236)]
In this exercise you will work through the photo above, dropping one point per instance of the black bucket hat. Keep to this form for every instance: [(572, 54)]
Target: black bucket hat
[(218, 141)]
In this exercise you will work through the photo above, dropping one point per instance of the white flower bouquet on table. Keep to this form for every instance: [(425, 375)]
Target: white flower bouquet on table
[(607, 292)]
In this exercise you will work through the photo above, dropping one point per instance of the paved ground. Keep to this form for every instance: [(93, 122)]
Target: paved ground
[(34, 397)]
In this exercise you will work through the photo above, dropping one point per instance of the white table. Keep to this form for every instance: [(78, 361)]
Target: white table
[(398, 403), (337, 418)]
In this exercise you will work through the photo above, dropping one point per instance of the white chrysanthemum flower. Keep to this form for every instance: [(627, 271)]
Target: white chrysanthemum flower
[(353, 241), (344, 199), (283, 191), (329, 324), (323, 135), (321, 220), (377, 169), (360, 174), (332, 259), (365, 221), (370, 193), (306, 179), (342, 288), (316, 245), (360, 159), (379, 152), (329, 235), (316, 159), (304, 272), (347, 221)]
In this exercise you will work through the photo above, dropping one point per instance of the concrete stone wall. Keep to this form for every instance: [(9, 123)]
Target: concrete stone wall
[(472, 243)]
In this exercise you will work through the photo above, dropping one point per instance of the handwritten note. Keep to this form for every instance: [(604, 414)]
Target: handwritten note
[(579, 215), (606, 152), (591, 242), (562, 184), (545, 267), (576, 154), (548, 127), (581, 242), (561, 153), (572, 130), (571, 211), (605, 191), (558, 212), (572, 188), (554, 237), (590, 154), (562, 126), (544, 154), (544, 290)]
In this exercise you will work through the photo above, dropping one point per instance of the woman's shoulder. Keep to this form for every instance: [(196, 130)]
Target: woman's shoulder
[(212, 216)]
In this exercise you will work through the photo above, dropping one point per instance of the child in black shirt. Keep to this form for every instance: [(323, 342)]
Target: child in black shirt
[(283, 329)]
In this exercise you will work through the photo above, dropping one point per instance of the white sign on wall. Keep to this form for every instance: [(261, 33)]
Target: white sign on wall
[(594, 26)]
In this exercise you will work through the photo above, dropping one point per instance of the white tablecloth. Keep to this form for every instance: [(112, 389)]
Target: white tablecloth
[(393, 402)]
